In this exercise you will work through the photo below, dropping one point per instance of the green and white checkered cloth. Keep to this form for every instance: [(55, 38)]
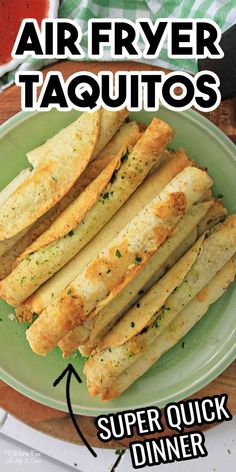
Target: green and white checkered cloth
[(223, 12)]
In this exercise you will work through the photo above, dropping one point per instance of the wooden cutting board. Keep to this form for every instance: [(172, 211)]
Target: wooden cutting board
[(58, 423)]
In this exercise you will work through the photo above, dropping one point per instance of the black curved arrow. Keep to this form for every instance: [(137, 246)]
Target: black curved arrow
[(71, 371)]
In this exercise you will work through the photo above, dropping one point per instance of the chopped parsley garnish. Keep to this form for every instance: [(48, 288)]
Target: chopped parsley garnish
[(113, 177), (34, 316), (71, 233), (137, 259), (118, 253), (132, 324), (105, 196), (144, 330), (183, 344), (125, 157), (108, 271)]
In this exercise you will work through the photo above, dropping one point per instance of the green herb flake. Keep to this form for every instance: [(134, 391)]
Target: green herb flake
[(125, 157), (137, 259), (183, 344), (118, 253), (132, 324), (113, 177), (105, 196), (34, 317), (141, 292), (108, 271), (71, 233)]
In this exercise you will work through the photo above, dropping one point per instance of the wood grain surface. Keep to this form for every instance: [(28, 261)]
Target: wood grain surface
[(58, 423)]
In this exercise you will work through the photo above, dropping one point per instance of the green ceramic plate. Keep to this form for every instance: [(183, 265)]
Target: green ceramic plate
[(209, 348)]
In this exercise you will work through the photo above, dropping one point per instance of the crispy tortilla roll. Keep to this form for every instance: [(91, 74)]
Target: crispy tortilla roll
[(151, 186), (118, 263), (177, 329), (76, 337), (198, 219), (64, 157), (156, 266), (87, 214), (214, 253), (4, 195), (59, 163), (123, 135), (65, 237), (7, 191), (126, 134), (109, 123), (20, 243), (185, 231), (132, 324), (118, 180)]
